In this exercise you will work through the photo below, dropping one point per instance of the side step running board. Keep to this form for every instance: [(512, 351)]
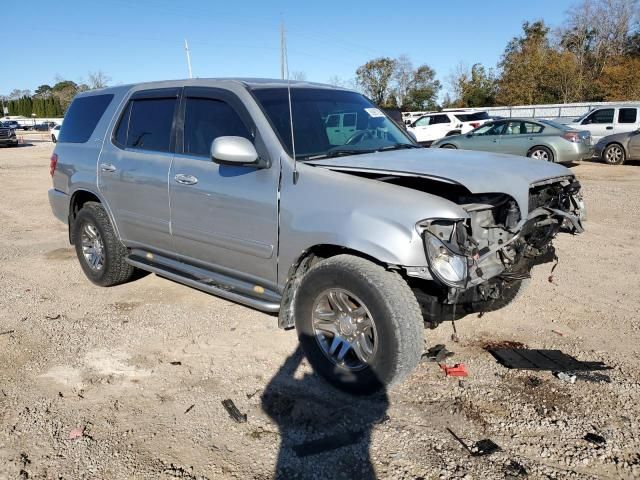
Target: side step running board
[(266, 305)]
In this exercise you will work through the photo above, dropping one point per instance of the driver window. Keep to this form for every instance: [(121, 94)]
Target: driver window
[(600, 116), (424, 121)]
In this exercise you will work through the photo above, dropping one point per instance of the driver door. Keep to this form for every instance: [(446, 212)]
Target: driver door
[(600, 123), (485, 138)]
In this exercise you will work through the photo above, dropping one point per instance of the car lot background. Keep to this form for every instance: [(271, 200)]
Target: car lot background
[(138, 372)]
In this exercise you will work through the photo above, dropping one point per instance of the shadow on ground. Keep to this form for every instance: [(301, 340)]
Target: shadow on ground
[(324, 433)]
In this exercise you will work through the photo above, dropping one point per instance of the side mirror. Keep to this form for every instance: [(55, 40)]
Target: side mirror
[(233, 151)]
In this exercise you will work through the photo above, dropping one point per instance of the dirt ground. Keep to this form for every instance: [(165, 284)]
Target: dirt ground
[(127, 382)]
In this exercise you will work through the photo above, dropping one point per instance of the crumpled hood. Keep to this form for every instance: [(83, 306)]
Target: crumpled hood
[(479, 172)]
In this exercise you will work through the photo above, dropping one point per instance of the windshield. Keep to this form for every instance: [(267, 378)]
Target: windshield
[(329, 122)]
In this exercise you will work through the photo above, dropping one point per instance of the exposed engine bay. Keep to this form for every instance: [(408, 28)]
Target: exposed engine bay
[(482, 259)]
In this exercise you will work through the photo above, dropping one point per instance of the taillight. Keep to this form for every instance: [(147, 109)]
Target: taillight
[(53, 163), (475, 124), (571, 136)]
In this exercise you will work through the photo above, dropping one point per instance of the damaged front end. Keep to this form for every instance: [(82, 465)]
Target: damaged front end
[(478, 263)]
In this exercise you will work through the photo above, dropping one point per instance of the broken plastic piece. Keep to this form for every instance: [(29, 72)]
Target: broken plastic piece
[(595, 438), (566, 377), (480, 448), (437, 353), (233, 411), (458, 370)]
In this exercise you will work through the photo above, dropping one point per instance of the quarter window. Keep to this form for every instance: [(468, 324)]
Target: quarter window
[(627, 115), (82, 117), (207, 119), (146, 124)]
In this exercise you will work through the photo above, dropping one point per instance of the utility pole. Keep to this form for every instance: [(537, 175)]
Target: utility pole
[(186, 49)]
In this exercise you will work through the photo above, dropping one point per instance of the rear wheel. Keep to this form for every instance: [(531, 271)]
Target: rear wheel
[(614, 154), (359, 325), (100, 252), (541, 153)]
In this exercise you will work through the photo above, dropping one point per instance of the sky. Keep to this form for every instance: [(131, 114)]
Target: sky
[(134, 41)]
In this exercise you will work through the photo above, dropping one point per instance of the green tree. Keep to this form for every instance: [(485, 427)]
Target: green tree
[(374, 77), (423, 90), (475, 87)]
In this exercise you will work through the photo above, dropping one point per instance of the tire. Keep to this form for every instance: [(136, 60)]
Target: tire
[(396, 337), (53, 139), (541, 153), (449, 146), (614, 154), (113, 269)]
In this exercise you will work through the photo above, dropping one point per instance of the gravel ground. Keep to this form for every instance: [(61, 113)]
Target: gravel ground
[(127, 382)]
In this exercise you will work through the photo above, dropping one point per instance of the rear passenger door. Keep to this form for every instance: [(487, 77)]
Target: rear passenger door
[(133, 169), (223, 217), (518, 137)]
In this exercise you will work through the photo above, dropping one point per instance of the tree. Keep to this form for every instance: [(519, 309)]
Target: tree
[(597, 33), (98, 79), (298, 75), (375, 78), (423, 90), (403, 75), (475, 87), (64, 91), (620, 81), (43, 91), (523, 64)]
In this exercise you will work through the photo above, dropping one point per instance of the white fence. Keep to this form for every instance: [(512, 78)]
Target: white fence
[(560, 110)]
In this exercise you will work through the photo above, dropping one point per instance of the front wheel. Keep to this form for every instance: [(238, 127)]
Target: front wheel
[(359, 325), (449, 146), (614, 154), (541, 153)]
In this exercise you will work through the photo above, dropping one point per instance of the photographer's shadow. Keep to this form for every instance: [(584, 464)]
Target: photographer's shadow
[(324, 433)]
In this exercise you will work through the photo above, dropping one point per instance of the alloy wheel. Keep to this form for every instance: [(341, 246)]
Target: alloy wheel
[(92, 247), (344, 329), (540, 155), (614, 154)]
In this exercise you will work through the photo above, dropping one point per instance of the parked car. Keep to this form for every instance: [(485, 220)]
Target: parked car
[(55, 132), (608, 120), (410, 117), (434, 126), (8, 137), (538, 139), (234, 187), (616, 149), (11, 124)]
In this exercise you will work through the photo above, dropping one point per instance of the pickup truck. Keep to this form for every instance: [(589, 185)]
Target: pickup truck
[(238, 188)]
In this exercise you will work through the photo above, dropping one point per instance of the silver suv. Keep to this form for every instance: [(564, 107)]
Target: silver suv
[(235, 187)]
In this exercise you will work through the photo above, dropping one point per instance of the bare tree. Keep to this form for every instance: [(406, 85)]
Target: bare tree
[(98, 79), (403, 76), (298, 75)]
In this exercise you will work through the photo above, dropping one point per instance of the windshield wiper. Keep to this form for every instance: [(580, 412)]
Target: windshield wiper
[(398, 146), (340, 152)]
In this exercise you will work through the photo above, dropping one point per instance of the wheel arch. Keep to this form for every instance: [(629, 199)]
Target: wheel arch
[(453, 132), (303, 262), (78, 198)]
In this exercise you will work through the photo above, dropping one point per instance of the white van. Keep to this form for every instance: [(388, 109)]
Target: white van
[(607, 120)]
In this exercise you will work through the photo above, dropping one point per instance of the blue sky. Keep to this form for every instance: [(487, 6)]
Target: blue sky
[(134, 41)]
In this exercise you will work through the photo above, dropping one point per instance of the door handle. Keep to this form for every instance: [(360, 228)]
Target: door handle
[(107, 167), (185, 179), (609, 128)]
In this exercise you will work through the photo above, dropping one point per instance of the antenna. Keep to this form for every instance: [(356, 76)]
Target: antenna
[(186, 49), (284, 67)]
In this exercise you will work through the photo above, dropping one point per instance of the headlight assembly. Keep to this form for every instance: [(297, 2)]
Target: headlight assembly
[(450, 268)]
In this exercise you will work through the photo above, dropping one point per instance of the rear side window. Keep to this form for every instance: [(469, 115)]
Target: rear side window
[(82, 117), (349, 120), (627, 115), (440, 119), (146, 124), (206, 119), (472, 117)]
